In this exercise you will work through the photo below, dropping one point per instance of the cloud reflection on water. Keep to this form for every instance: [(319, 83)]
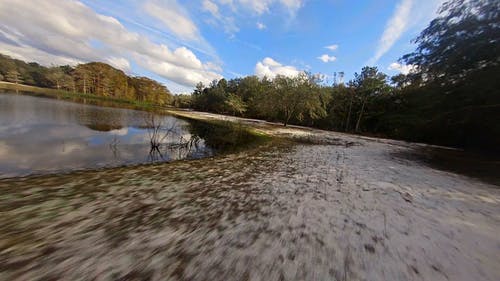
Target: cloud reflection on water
[(43, 136)]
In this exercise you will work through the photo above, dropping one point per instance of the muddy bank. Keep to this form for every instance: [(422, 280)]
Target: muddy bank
[(344, 208)]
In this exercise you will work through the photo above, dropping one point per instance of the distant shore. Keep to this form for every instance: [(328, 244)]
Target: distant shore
[(76, 96)]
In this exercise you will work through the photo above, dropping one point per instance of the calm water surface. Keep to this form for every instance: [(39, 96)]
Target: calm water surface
[(41, 135)]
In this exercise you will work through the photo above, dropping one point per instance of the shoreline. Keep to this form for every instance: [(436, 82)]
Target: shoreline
[(310, 212), (263, 126), (295, 132), (308, 205), (484, 166), (273, 128), (426, 153), (75, 97)]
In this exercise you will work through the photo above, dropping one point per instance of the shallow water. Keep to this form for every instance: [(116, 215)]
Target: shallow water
[(41, 135), (280, 212), (343, 209)]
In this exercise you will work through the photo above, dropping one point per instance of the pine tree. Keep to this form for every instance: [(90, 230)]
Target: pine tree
[(13, 76)]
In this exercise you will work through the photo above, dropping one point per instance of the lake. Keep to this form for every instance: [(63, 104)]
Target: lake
[(42, 135)]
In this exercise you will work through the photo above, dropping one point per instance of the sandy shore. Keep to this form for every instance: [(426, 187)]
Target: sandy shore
[(330, 207)]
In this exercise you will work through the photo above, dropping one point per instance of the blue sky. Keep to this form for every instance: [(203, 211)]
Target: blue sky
[(180, 43)]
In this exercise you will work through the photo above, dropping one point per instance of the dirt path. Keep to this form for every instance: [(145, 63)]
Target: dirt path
[(347, 208)]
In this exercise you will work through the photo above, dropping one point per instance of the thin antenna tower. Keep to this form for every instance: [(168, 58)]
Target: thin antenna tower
[(341, 77)]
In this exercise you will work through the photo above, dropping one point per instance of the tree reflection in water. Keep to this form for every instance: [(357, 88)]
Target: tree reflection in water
[(76, 137)]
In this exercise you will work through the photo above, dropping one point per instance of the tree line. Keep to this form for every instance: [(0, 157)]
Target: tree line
[(451, 96), (94, 78), (303, 99)]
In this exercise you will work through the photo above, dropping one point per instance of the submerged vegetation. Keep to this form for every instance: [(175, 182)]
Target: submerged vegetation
[(226, 136), (78, 136), (99, 193), (449, 97)]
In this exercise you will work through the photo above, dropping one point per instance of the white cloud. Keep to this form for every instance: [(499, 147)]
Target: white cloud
[(292, 4), (174, 17), (258, 6), (133, 13), (213, 66), (263, 6), (211, 7), (403, 68), (332, 47), (226, 22), (183, 76), (225, 13), (408, 16), (270, 68), (72, 33), (27, 53), (326, 58), (395, 27), (120, 63)]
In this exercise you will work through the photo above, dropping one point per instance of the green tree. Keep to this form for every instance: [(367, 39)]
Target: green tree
[(235, 104), (182, 101), (338, 107), (400, 81), (457, 57), (14, 76), (369, 84), (254, 92), (296, 98), (81, 75), (465, 37), (211, 98), (56, 76), (149, 90)]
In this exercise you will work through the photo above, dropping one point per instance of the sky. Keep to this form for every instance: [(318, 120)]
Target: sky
[(181, 43)]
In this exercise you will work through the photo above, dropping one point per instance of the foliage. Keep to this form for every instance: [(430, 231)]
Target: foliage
[(370, 85), (225, 136), (464, 38), (296, 98), (235, 104), (458, 58), (450, 97), (284, 98), (93, 78), (13, 76), (149, 90), (79, 97), (182, 101)]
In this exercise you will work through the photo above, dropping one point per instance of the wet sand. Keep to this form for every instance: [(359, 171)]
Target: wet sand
[(329, 207)]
